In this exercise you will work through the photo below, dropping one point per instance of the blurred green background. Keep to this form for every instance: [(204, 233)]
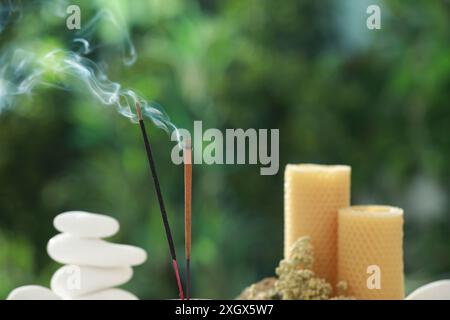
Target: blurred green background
[(338, 92)]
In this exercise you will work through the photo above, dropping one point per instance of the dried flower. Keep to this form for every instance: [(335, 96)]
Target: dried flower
[(341, 290), (262, 290), (296, 280), (301, 253), (302, 285)]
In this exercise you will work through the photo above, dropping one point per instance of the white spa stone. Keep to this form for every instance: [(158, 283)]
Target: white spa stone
[(32, 293), (438, 290), (85, 224), (109, 294), (72, 281), (69, 249)]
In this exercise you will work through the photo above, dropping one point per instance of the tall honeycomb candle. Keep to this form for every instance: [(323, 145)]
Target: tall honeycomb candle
[(370, 251), (313, 194)]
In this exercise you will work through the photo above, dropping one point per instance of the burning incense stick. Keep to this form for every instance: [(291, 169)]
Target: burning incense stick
[(160, 199), (187, 153)]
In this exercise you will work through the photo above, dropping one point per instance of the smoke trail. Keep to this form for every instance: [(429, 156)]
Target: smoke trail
[(21, 72), (12, 11), (9, 11), (84, 37), (73, 69)]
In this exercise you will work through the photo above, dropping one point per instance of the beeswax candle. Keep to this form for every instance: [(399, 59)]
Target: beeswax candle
[(313, 194), (370, 251)]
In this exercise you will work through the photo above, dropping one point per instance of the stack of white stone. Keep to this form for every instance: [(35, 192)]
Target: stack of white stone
[(93, 267)]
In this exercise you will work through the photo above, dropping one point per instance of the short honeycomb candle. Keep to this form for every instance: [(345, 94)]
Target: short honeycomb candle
[(313, 194), (370, 251)]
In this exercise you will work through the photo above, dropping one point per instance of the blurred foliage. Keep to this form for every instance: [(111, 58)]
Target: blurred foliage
[(340, 93)]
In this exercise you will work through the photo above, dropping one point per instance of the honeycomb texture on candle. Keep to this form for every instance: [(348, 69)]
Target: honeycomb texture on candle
[(313, 195), (371, 236)]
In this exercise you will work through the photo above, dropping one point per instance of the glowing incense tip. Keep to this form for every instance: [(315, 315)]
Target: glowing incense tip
[(139, 111), (187, 145)]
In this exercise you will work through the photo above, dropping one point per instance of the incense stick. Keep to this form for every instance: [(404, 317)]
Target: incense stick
[(187, 153), (162, 207)]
